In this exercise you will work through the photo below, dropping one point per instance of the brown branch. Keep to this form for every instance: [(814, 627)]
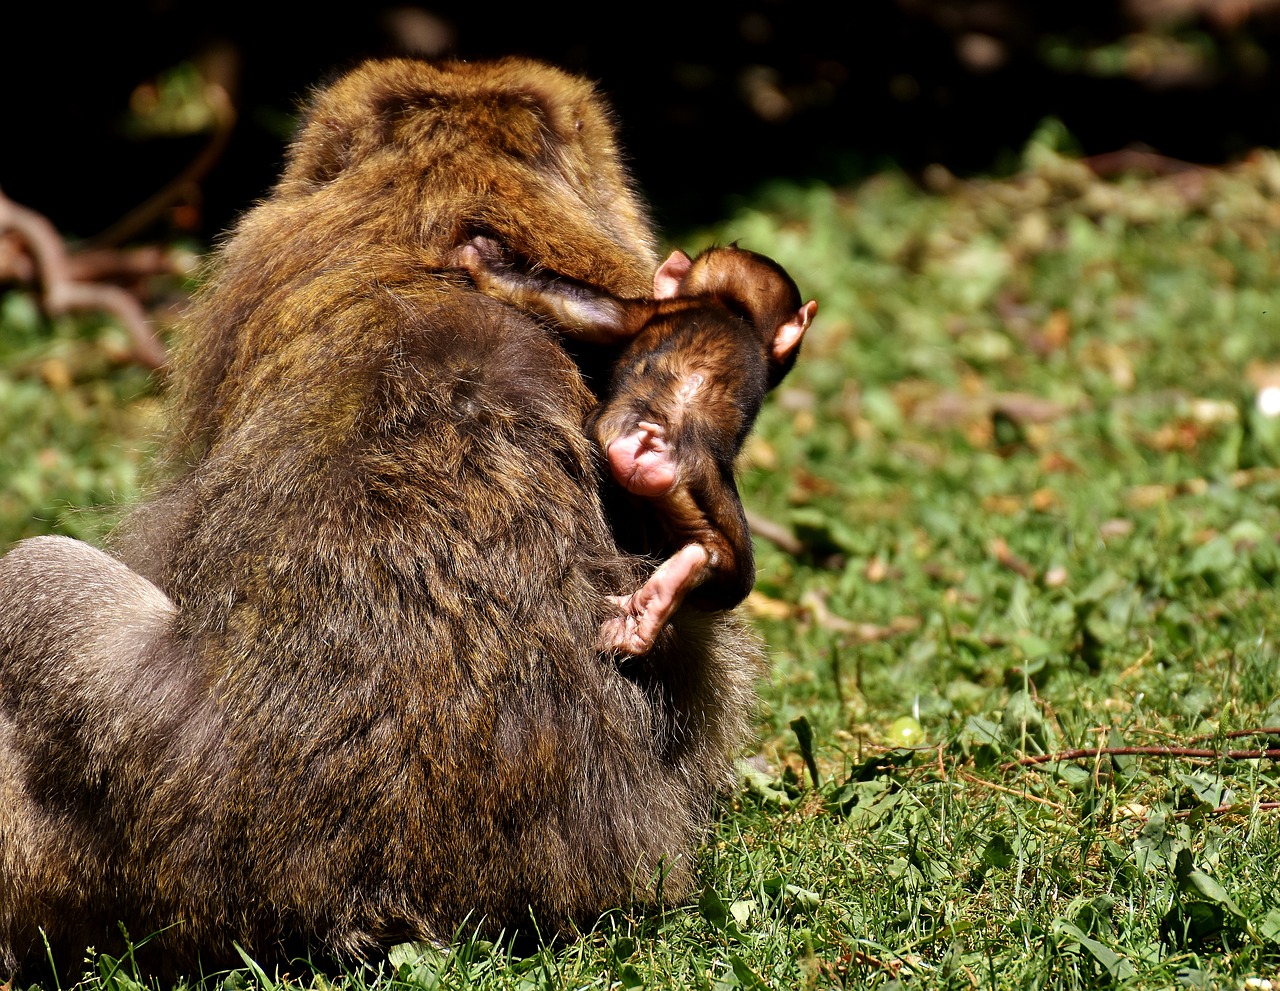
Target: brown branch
[(974, 779), (1238, 733), (63, 292), (1126, 160), (1184, 752), (1228, 809), (117, 265), (128, 264), (1005, 556), (839, 968), (816, 606), (222, 69), (775, 533)]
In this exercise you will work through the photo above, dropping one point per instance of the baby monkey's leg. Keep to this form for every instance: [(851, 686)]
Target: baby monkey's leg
[(642, 615)]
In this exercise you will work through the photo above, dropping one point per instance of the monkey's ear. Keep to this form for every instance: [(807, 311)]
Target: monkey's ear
[(667, 279), (787, 337)]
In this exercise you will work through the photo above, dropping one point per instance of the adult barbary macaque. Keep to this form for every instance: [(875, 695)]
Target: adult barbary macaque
[(336, 684), (720, 330)]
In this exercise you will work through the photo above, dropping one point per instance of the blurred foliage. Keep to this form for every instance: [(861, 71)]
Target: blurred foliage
[(1018, 390), (76, 420), (710, 105)]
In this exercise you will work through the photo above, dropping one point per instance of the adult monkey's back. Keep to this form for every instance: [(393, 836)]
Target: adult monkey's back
[(355, 699)]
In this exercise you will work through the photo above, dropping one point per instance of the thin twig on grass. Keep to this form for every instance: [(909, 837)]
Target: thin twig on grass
[(1193, 753), (974, 779), (1236, 734), (1228, 809)]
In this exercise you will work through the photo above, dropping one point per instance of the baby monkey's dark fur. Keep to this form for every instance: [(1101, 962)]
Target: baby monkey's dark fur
[(699, 355), (337, 686)]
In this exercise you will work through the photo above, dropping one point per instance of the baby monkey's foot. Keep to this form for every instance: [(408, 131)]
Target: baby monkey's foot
[(642, 615)]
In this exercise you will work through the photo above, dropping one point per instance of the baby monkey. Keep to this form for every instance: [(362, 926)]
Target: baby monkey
[(697, 359)]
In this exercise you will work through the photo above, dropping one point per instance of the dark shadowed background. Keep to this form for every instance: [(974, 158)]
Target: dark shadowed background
[(712, 100)]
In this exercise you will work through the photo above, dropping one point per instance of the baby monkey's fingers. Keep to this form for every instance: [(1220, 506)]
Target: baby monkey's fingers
[(641, 616)]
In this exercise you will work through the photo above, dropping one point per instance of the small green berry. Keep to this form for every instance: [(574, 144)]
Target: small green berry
[(906, 731)]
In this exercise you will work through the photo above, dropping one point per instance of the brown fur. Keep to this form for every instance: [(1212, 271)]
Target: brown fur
[(354, 699), (697, 371), (721, 330)]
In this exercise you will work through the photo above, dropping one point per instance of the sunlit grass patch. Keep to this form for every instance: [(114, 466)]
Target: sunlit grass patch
[(1036, 509)]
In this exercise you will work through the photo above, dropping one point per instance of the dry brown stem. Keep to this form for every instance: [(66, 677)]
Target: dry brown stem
[(220, 69), (1024, 794), (1183, 752), (63, 291), (775, 533)]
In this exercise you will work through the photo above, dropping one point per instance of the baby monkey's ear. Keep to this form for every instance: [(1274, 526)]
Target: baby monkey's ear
[(789, 334), (667, 279)]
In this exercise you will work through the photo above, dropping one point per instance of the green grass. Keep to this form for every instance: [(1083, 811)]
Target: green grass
[(1039, 511), (77, 419)]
